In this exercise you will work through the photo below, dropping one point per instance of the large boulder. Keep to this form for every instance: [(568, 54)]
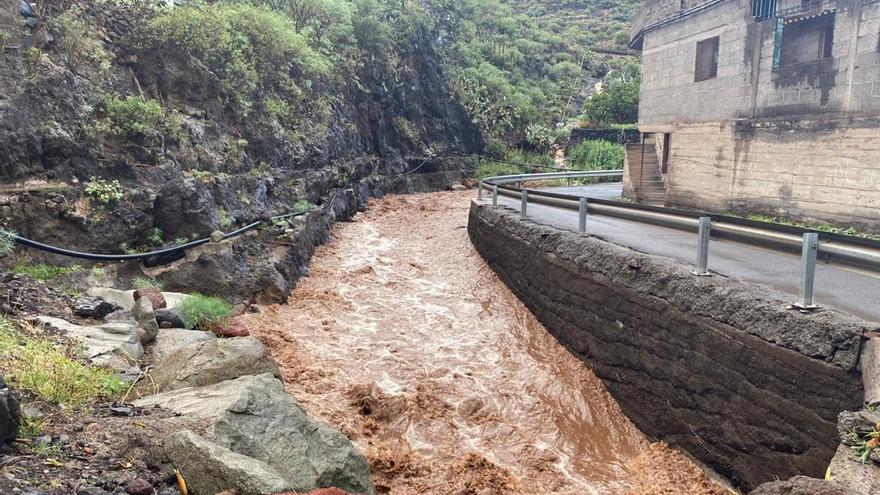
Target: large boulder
[(858, 477), (209, 362), (10, 413), (210, 468), (170, 340), (116, 345), (254, 417), (802, 485)]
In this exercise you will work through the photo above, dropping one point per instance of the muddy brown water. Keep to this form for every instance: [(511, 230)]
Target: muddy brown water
[(404, 339)]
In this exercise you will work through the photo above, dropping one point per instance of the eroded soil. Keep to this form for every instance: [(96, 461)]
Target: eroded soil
[(406, 341)]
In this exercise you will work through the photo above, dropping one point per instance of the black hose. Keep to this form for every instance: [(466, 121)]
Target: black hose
[(167, 253)]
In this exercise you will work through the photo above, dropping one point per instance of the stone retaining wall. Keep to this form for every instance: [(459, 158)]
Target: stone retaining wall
[(715, 366)]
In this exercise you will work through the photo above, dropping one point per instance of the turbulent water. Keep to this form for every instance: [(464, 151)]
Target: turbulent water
[(404, 339)]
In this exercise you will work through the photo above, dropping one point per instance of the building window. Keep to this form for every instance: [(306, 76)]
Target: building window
[(707, 59), (805, 39)]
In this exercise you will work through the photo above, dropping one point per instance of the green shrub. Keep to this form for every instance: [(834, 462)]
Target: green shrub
[(38, 365), (76, 44), (596, 155), (44, 272), (303, 205), (203, 312), (254, 51), (104, 191), (132, 116), (7, 242)]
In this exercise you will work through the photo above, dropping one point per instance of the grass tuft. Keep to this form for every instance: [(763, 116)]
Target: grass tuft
[(146, 283), (38, 365), (203, 312), (44, 272)]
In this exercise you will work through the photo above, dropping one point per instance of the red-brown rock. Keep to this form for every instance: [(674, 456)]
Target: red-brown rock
[(153, 295), (234, 329)]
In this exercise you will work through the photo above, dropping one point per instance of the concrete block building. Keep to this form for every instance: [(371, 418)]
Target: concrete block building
[(760, 106)]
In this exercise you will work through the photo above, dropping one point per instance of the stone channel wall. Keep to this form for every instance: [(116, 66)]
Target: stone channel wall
[(717, 367)]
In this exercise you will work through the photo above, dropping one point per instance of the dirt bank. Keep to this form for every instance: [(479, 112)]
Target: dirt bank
[(404, 339)]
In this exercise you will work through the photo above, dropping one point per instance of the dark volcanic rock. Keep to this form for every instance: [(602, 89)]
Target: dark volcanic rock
[(139, 486), (170, 318), (93, 307), (10, 413), (713, 365)]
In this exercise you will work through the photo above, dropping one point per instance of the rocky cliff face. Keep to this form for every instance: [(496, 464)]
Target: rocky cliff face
[(200, 168)]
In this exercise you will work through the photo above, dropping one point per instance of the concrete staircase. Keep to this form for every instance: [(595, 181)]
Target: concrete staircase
[(645, 181)]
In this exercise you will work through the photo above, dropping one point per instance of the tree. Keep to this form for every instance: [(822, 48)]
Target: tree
[(618, 101)]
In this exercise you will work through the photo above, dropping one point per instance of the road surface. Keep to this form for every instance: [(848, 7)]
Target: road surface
[(839, 287)]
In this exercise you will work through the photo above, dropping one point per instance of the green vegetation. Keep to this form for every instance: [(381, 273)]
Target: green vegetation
[(76, 44), (514, 162), (141, 282), (44, 272), (7, 242), (596, 155), (104, 191), (45, 368), (284, 64), (821, 227), (303, 205), (865, 443), (618, 102), (134, 117), (257, 54), (203, 312), (226, 220)]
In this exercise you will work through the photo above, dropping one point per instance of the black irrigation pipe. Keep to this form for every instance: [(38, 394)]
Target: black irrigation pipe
[(167, 253)]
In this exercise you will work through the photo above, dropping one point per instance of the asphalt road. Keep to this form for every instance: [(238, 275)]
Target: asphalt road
[(839, 287)]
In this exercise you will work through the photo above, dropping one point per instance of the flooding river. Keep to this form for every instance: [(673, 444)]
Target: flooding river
[(405, 340)]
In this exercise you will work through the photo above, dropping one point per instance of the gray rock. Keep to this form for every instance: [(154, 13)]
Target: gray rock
[(847, 471), (10, 413), (871, 370), (146, 318), (170, 340), (115, 345), (171, 317), (802, 485), (210, 468), (861, 423), (209, 362), (92, 307), (254, 417)]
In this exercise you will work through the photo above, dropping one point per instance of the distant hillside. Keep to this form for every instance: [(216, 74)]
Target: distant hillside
[(589, 22)]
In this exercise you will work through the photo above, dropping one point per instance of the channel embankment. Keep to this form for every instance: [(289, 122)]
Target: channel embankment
[(712, 365)]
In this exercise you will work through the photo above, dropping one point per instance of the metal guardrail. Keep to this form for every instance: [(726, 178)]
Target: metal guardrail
[(813, 245)]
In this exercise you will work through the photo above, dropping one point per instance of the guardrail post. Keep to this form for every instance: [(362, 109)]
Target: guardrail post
[(525, 202), (495, 195), (703, 238), (480, 191), (582, 217), (808, 270)]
